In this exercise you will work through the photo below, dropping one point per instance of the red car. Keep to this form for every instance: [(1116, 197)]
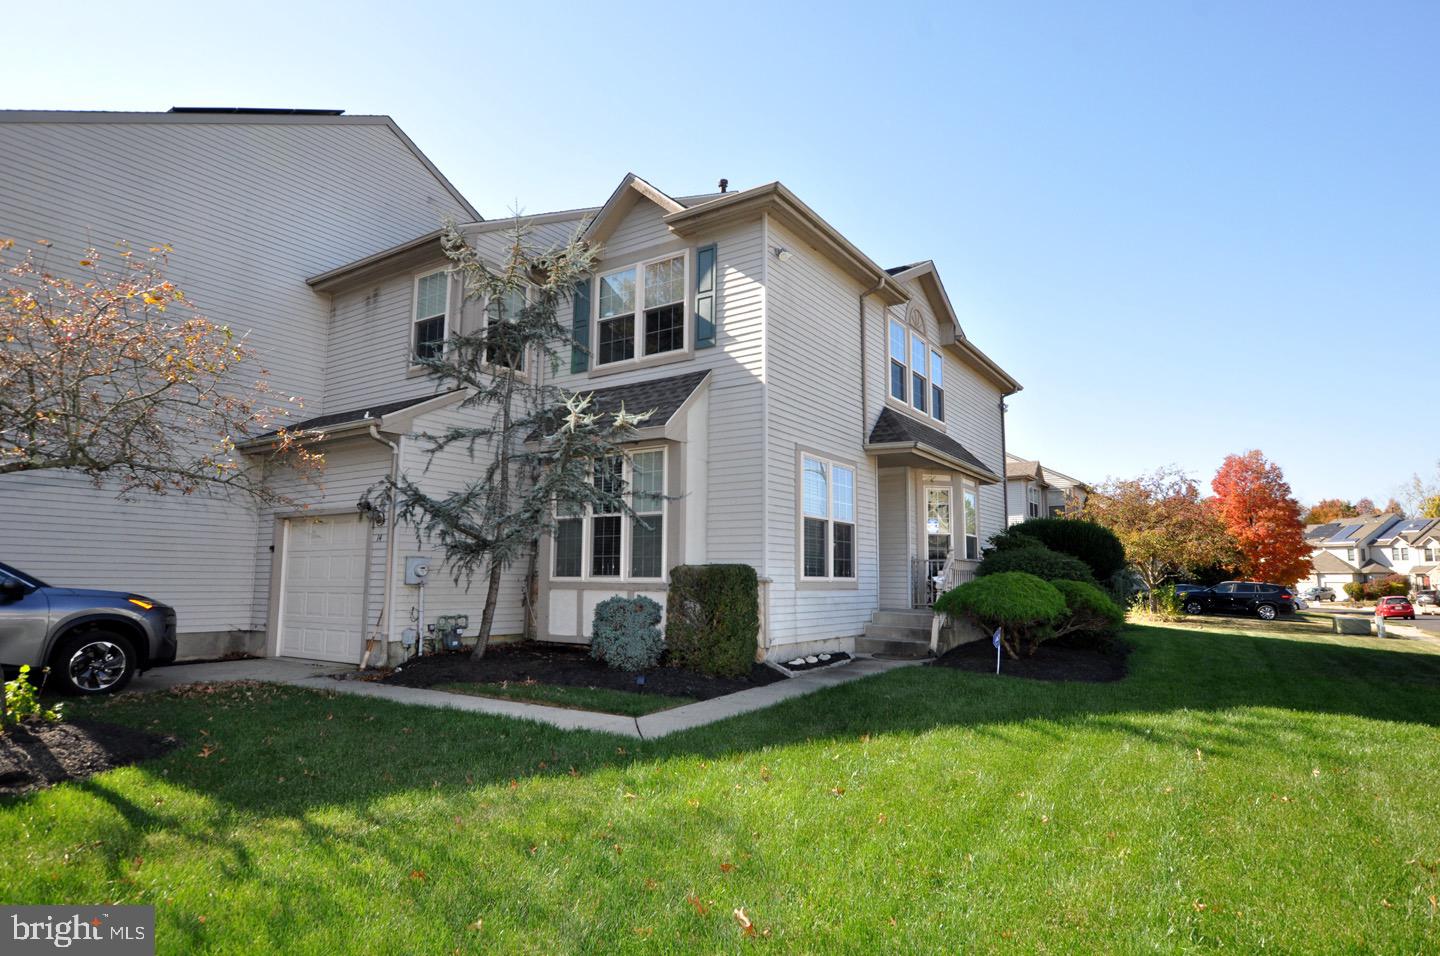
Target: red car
[(1395, 607)]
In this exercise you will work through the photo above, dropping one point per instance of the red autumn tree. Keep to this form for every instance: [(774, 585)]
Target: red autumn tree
[(1366, 507), (1254, 502), (1393, 507), (1330, 509)]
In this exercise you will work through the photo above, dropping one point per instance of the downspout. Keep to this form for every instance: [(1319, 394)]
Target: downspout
[(1004, 480), (864, 385), (386, 611)]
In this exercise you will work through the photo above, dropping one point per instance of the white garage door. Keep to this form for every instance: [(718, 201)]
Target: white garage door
[(320, 614)]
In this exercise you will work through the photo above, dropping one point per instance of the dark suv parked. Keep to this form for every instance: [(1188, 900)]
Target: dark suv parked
[(93, 641), (1242, 597)]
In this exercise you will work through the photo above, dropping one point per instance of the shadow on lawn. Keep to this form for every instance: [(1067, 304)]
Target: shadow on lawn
[(287, 753)]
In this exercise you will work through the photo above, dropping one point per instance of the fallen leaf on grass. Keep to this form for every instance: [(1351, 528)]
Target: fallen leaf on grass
[(418, 876), (700, 908), (206, 751), (476, 926), (747, 928), (650, 884), (726, 867), (837, 791)]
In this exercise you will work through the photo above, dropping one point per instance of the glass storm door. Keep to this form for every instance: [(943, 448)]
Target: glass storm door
[(939, 533)]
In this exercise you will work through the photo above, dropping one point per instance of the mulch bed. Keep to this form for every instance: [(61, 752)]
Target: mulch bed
[(571, 667), (36, 755), (1055, 661)]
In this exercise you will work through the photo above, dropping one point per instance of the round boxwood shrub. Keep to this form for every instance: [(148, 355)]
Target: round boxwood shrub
[(626, 633), (1034, 558), (1094, 544), (1022, 605)]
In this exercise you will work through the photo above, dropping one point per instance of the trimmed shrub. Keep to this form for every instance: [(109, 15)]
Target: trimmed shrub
[(1022, 605), (1094, 544), (1034, 558), (627, 633), (1355, 591), (1088, 610), (713, 618)]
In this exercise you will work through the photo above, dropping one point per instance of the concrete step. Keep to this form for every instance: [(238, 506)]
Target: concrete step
[(900, 648), (919, 618), (895, 632)]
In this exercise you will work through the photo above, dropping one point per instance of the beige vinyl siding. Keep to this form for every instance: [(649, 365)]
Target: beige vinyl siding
[(251, 209), (438, 475), (813, 339), (736, 403)]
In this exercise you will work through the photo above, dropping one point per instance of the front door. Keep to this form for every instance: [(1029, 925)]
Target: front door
[(939, 533)]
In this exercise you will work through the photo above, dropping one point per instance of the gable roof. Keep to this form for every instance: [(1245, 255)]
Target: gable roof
[(632, 190), (896, 431), (242, 116), (1023, 469), (1327, 563)]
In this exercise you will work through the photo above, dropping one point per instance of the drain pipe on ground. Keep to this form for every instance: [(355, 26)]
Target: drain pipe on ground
[(383, 635)]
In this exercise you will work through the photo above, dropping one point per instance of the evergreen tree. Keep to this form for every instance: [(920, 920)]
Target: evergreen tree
[(540, 447)]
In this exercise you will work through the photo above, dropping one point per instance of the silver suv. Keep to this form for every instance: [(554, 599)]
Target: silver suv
[(92, 641)]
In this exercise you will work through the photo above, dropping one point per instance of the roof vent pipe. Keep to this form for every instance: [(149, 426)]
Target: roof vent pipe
[(724, 185)]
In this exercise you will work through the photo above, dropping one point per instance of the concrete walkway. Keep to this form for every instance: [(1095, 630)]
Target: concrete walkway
[(316, 676), (277, 670)]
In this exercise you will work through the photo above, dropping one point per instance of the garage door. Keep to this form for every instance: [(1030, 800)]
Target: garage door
[(320, 615)]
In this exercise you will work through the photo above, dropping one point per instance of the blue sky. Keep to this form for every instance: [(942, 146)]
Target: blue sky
[(1188, 228)]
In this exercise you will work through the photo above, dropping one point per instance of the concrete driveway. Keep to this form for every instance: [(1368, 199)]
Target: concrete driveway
[(278, 670)]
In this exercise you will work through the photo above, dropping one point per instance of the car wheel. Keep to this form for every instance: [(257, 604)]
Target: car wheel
[(1193, 607), (93, 662), (1266, 612)]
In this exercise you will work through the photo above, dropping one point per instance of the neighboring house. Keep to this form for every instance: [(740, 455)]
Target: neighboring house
[(1351, 550), (1408, 548), (252, 203), (817, 416), (1034, 491)]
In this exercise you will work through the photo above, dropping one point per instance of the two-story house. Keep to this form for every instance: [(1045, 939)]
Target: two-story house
[(816, 416), (1352, 550), (1036, 491)]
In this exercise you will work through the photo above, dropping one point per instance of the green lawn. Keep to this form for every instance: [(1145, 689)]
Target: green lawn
[(1271, 790), (602, 699)]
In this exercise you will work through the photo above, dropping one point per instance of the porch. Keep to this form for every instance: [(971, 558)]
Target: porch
[(929, 534)]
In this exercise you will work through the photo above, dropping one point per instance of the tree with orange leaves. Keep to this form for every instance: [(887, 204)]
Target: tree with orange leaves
[(1254, 502)]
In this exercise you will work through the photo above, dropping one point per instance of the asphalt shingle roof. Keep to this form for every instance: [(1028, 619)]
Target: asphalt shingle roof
[(349, 415), (662, 397), (894, 428)]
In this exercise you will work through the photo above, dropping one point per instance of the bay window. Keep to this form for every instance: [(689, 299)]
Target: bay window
[(827, 492), (599, 543), (916, 371), (655, 293), (427, 324)]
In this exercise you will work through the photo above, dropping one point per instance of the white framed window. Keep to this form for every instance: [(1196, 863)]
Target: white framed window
[(827, 506), (1429, 554), (917, 371), (608, 545), (641, 310), (1033, 494), (429, 325), (504, 308), (971, 518), (1350, 555), (1404, 554)]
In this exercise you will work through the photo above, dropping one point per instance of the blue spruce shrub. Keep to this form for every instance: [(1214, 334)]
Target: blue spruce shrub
[(626, 633)]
